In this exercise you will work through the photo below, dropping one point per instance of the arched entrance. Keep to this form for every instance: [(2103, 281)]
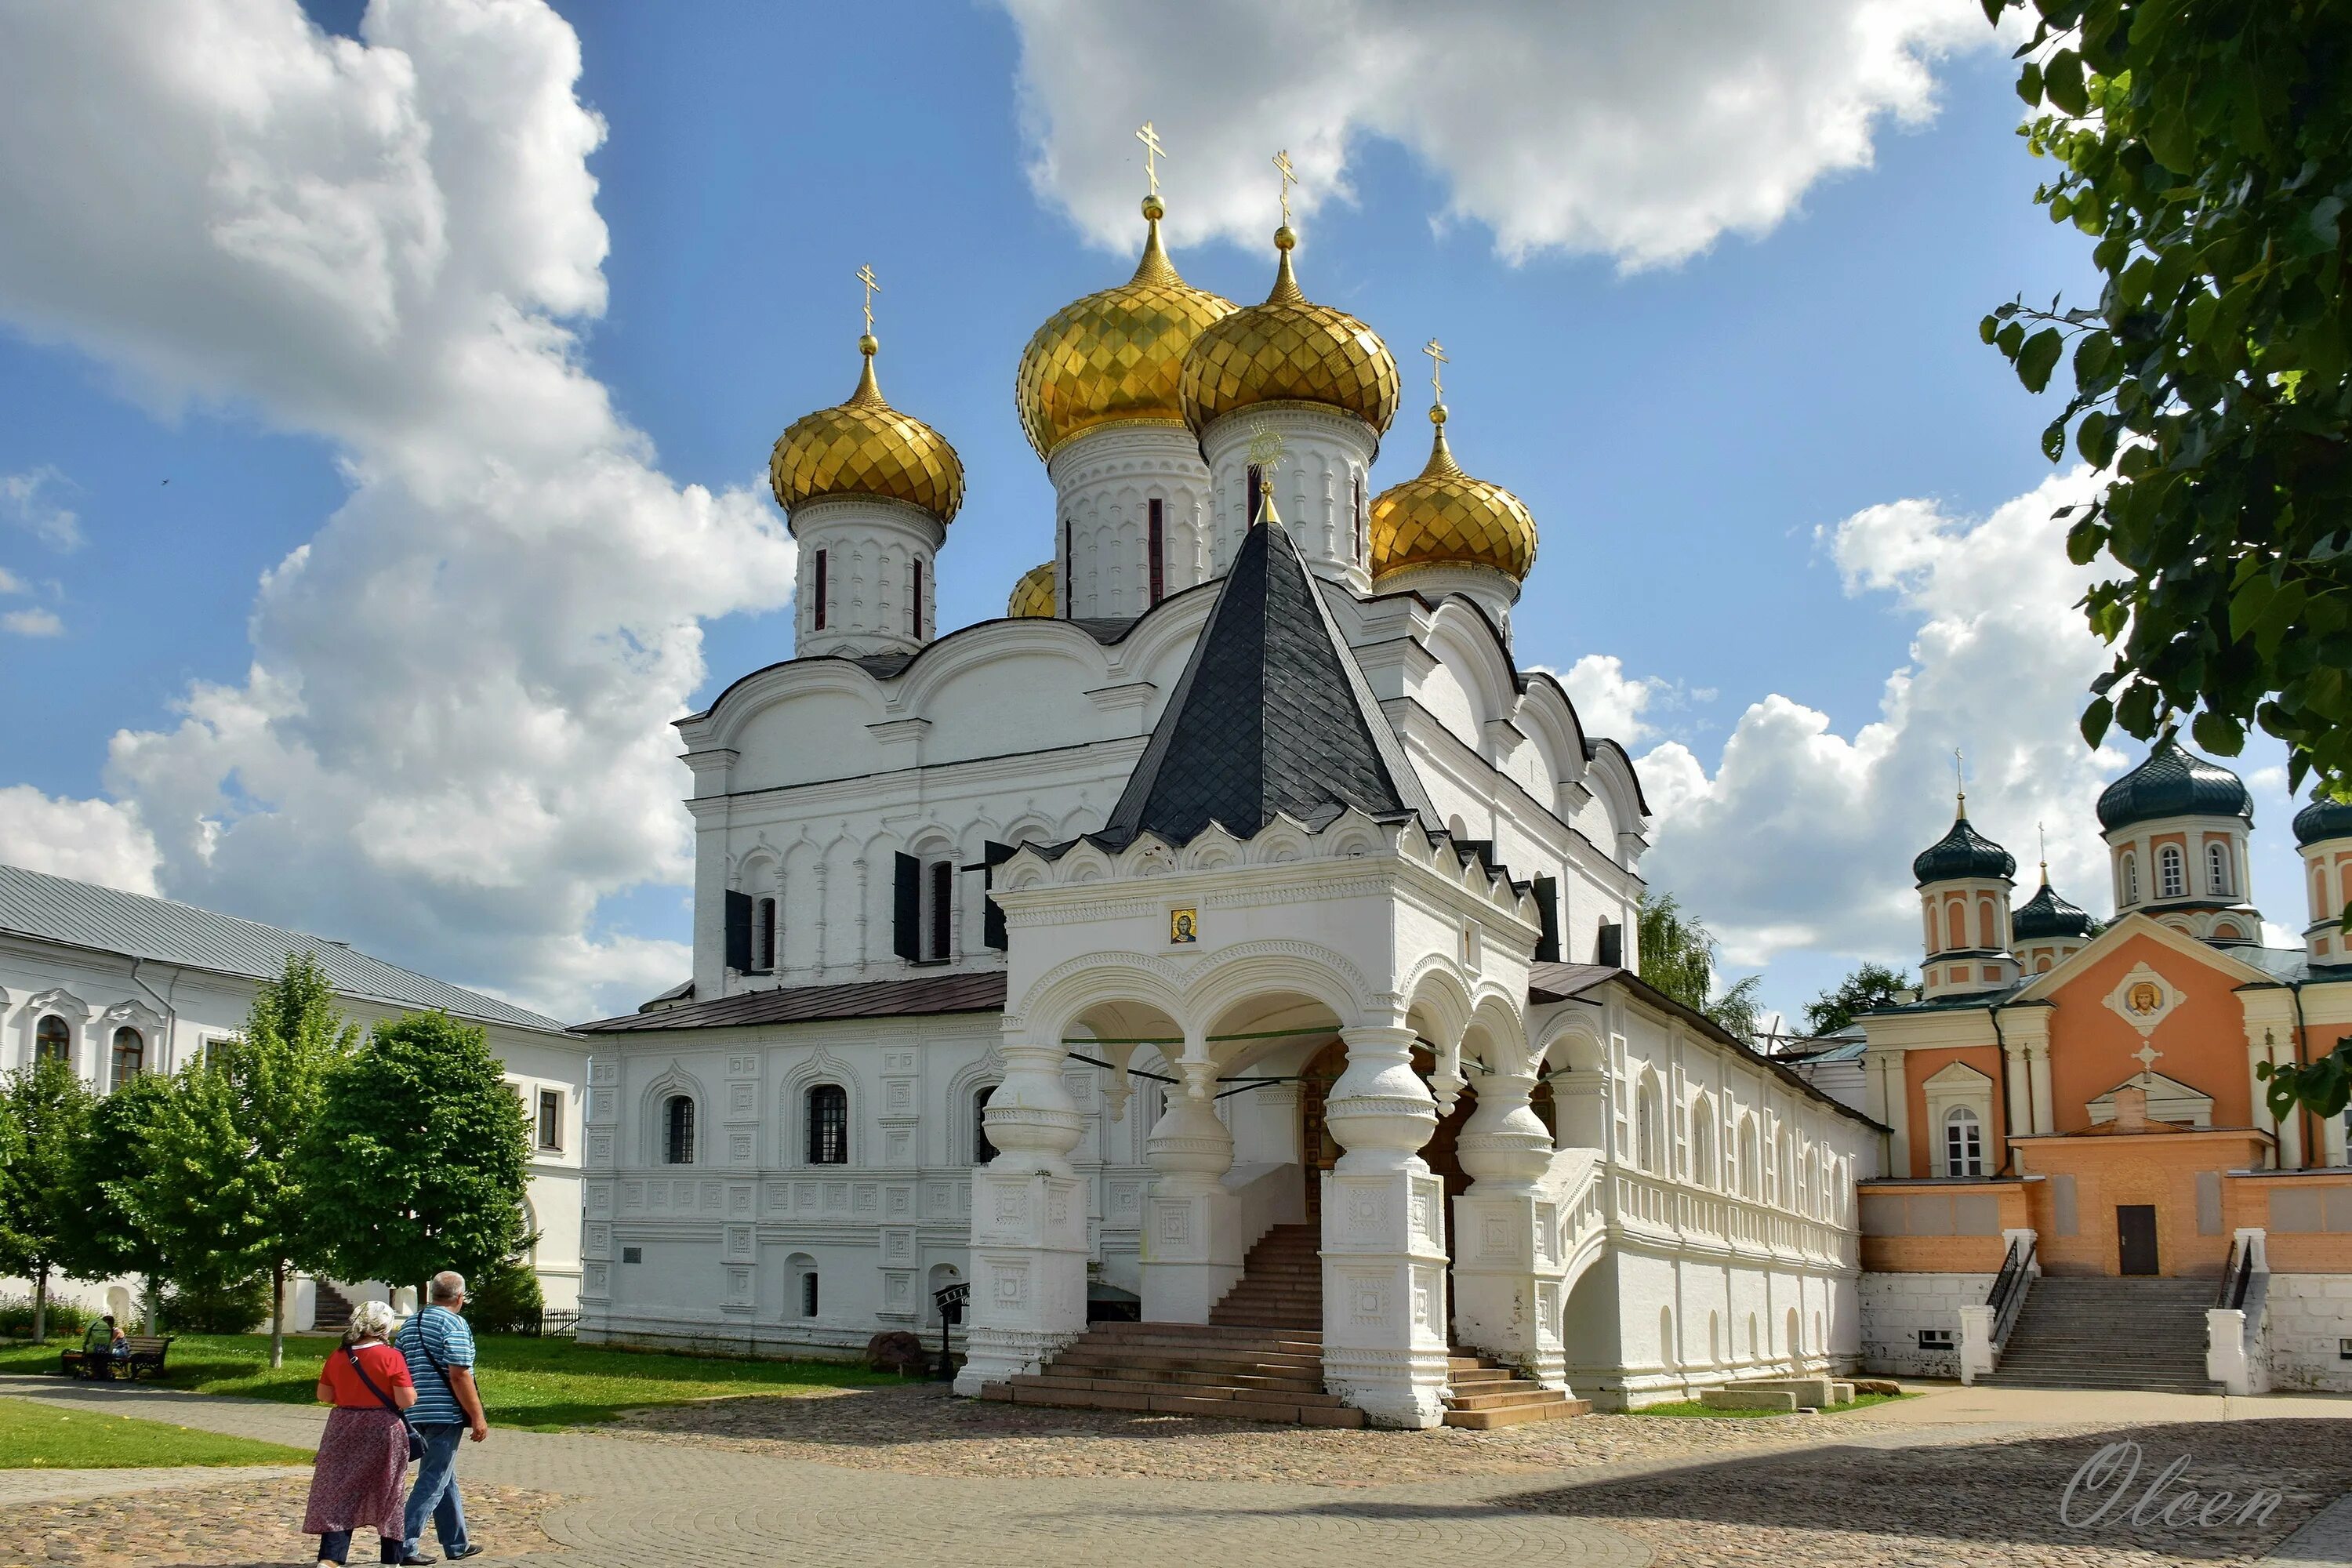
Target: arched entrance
[(1320, 1151)]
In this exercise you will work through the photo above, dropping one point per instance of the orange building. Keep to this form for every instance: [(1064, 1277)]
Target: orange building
[(2083, 1098)]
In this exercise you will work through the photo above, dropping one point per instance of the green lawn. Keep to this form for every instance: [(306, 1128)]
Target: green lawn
[(42, 1437), (1693, 1407), (538, 1384)]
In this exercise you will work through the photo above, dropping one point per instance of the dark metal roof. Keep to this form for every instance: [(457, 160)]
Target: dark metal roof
[(1271, 717), (106, 920), (2323, 818), (929, 993), (1962, 852), (2173, 782), (1568, 982), (2046, 914)]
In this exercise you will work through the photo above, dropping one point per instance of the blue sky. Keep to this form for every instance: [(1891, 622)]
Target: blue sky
[(1690, 435)]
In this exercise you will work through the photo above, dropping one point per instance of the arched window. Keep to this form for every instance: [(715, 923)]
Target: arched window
[(2225, 932), (1928, 913), (2217, 869), (1750, 1166), (828, 1125), (1703, 1169), (1987, 924), (763, 934), (982, 1151), (53, 1041), (2319, 909), (1956, 923), (1963, 1142), (2171, 873), (1667, 1348), (2130, 879), (129, 1057), (678, 1131), (1796, 1337), (1647, 1116)]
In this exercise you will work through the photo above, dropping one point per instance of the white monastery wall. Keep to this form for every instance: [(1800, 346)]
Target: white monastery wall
[(2309, 1329), (1895, 1308)]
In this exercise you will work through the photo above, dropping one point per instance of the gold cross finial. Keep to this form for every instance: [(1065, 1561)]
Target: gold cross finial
[(866, 276), (1437, 363), (1961, 779), (1151, 149), (1290, 178), (2043, 835)]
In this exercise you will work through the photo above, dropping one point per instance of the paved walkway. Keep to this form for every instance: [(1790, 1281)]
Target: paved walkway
[(628, 1503)]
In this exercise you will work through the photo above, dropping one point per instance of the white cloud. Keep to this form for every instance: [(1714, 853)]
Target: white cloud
[(1803, 837), (11, 584), (1611, 702), (29, 501), (88, 841), (33, 623), (1639, 131), (452, 740)]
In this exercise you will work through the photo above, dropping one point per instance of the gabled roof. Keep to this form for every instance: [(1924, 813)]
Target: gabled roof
[(105, 920), (1271, 717), (2228, 961)]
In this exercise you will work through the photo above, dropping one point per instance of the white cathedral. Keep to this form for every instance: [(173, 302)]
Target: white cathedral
[(1222, 966)]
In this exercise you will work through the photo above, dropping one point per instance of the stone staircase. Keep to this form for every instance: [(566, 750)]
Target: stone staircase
[(2109, 1332), (1281, 1285), (331, 1311), (1481, 1392)]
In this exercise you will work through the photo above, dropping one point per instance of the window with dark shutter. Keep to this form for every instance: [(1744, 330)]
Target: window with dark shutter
[(817, 588), (828, 1125), (1611, 949), (915, 604), (1255, 496), (1158, 546), (763, 934), (739, 930), (991, 919), (1546, 892), (942, 908), (907, 908)]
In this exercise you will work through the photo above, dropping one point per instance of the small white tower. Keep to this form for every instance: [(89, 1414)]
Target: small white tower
[(2323, 832)]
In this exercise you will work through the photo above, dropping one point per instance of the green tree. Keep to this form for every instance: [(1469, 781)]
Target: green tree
[(1678, 957), (1867, 989), (2205, 146), (113, 1177), (277, 1073), (50, 1107), (418, 1159), (201, 1199)]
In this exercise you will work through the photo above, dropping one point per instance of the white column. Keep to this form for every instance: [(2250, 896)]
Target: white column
[(1384, 1347), (1190, 1256), (1028, 1224), (2037, 1066), (1507, 1269)]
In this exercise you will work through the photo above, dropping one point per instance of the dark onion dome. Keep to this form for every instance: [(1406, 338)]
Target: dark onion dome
[(2173, 782), (1962, 852), (2046, 915), (2322, 819)]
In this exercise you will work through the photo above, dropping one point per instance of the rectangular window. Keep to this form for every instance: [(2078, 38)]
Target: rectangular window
[(632, 1254), (551, 1119), (943, 907), (1935, 1339), (1158, 545), (816, 588), (915, 604), (1361, 520), (1255, 498), (808, 1294)]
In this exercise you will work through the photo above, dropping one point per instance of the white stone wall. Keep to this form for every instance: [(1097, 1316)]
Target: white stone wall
[(2310, 1318), (1105, 481), (1895, 1306)]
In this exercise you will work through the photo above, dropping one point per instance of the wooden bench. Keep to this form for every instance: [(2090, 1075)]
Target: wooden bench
[(146, 1353)]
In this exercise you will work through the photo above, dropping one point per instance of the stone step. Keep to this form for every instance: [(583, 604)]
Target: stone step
[(1096, 1365), (1286, 1414), (1559, 1408), (1253, 1393), (1505, 1398)]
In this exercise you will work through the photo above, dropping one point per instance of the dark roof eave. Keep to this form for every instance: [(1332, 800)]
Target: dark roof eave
[(928, 996)]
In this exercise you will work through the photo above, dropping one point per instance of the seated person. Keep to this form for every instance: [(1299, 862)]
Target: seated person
[(103, 1348)]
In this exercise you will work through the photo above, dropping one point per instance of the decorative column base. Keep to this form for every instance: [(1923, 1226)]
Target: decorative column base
[(1183, 1276), (1507, 1278), (1029, 1274), (1384, 1344)]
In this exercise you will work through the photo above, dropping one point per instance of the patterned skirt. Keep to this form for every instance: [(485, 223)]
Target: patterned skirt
[(363, 1459)]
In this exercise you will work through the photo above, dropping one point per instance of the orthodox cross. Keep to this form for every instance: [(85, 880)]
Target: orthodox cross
[(1151, 149), (2147, 1054), (866, 276), (1437, 363), (1961, 779), (2042, 834), (1289, 177)]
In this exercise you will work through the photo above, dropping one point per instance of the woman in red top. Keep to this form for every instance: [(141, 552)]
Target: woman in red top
[(363, 1454)]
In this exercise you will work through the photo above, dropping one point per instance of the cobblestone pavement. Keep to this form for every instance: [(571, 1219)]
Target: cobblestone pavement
[(234, 1524), (905, 1477)]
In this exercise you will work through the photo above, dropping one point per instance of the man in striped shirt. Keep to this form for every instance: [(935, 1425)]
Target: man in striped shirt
[(440, 1346)]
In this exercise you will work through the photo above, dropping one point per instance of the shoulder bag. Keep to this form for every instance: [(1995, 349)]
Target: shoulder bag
[(416, 1438)]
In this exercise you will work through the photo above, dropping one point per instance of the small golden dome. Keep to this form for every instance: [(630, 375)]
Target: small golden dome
[(1445, 518), (1115, 355), (1033, 594), (866, 448), (1290, 350)]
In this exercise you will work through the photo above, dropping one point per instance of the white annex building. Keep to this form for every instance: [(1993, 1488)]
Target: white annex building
[(1232, 937), (114, 983)]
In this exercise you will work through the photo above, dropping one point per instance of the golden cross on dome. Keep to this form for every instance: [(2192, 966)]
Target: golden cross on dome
[(1961, 779), (1151, 149), (866, 276), (1437, 363), (2043, 835), (1290, 178)]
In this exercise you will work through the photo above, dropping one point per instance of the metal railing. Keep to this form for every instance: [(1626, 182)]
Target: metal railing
[(2007, 1297), (949, 1299), (2236, 1276)]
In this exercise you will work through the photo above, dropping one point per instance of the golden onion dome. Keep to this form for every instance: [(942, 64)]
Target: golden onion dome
[(866, 448), (1290, 350), (1445, 518), (1033, 594), (1118, 355)]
